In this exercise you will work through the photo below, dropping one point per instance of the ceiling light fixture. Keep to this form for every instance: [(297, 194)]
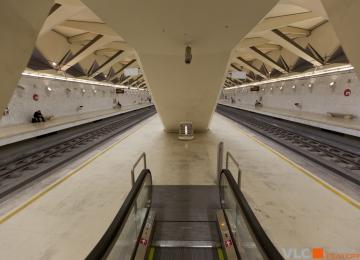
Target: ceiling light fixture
[(84, 81), (342, 68)]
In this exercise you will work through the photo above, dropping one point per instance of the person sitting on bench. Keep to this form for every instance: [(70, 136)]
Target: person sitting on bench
[(38, 117)]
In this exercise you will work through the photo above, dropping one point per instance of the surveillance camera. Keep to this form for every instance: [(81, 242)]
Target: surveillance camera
[(188, 55)]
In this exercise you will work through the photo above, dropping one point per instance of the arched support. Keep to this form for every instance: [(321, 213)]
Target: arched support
[(20, 24)]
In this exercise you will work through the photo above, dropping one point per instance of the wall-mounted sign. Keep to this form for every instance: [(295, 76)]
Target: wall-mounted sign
[(238, 75), (35, 97), (347, 92), (256, 88), (131, 72), (119, 91)]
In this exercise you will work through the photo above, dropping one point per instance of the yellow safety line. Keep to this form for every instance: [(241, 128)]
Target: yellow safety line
[(13, 212), (303, 170), (220, 253), (151, 253)]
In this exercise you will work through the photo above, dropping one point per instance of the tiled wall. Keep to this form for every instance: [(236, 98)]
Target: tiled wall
[(64, 99), (320, 98)]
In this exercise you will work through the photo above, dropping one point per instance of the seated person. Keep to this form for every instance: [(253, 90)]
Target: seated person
[(258, 103), (38, 117)]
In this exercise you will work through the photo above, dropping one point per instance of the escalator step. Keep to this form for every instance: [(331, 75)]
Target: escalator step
[(186, 231), (180, 253)]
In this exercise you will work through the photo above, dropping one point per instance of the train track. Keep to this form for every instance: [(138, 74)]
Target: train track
[(342, 162), (16, 174)]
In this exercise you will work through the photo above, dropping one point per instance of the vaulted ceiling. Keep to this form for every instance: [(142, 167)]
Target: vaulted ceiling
[(293, 37), (75, 42)]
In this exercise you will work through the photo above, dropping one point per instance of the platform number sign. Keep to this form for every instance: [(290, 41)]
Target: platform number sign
[(347, 92)]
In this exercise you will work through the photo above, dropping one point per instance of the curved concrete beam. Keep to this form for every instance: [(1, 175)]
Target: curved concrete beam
[(20, 24), (160, 30), (344, 17)]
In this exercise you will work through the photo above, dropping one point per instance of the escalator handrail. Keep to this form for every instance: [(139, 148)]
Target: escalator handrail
[(116, 226), (266, 244)]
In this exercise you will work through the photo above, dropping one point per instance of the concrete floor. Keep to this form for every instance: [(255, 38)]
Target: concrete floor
[(68, 220)]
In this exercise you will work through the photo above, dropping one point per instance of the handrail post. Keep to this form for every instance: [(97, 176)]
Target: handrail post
[(230, 156), (239, 178), (220, 159), (142, 156)]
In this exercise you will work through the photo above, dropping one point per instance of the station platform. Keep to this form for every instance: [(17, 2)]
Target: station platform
[(16, 133), (67, 219), (341, 125)]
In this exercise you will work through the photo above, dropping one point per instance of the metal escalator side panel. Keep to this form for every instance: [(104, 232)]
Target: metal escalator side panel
[(228, 245), (145, 238), (239, 214), (123, 232)]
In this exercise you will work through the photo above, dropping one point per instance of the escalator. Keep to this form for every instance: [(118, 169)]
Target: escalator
[(165, 222)]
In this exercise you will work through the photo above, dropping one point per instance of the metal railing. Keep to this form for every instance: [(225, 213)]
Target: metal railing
[(142, 157), (220, 157), (229, 157)]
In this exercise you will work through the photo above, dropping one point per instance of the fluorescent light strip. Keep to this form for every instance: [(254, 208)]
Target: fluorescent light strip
[(297, 76), (85, 81)]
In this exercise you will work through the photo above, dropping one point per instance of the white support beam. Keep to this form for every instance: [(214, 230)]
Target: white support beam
[(313, 5), (256, 53), (96, 28), (299, 32), (107, 65), (238, 69), (268, 47), (250, 67), (81, 38), (106, 52), (282, 21), (277, 37), (61, 14), (122, 68), (248, 42), (98, 42), (128, 79)]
